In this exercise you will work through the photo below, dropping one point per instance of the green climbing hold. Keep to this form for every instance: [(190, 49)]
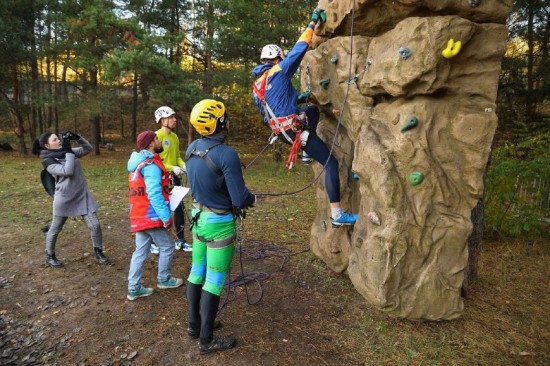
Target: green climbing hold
[(415, 178), (324, 83), (410, 123), (334, 59)]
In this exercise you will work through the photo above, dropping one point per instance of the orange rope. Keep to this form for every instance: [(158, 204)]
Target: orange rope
[(293, 155)]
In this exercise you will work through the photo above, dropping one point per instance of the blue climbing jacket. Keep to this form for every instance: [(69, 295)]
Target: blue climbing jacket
[(280, 94)]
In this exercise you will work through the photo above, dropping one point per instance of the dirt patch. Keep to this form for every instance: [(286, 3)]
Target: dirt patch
[(79, 314)]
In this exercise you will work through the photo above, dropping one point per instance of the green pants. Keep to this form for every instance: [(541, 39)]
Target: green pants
[(213, 250)]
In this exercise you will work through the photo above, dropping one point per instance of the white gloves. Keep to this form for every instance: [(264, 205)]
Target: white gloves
[(178, 171)]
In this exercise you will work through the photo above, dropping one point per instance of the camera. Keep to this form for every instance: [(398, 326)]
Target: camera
[(69, 136)]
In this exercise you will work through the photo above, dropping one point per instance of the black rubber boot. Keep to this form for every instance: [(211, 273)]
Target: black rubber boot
[(101, 257), (195, 333), (52, 261), (193, 293), (208, 310)]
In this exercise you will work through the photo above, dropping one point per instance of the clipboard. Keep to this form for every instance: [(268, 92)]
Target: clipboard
[(177, 194)]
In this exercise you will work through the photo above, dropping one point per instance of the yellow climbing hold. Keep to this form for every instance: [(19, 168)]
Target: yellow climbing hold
[(453, 48)]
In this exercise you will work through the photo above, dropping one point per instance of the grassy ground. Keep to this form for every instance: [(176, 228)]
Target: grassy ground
[(308, 315)]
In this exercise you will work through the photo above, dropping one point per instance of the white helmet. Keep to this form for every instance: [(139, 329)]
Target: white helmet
[(163, 112), (271, 51)]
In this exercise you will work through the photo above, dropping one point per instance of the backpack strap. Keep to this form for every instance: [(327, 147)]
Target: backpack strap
[(49, 161)]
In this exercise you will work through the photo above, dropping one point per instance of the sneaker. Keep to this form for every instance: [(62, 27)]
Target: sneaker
[(219, 343), (154, 249), (142, 292), (306, 159), (344, 219), (172, 282), (195, 333), (186, 247)]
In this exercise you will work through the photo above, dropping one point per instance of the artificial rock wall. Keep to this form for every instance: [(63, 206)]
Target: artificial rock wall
[(413, 142)]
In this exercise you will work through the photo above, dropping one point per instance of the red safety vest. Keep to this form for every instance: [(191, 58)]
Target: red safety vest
[(142, 213)]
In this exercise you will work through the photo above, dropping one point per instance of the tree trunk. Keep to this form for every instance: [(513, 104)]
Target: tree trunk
[(135, 91), (20, 122), (36, 117), (474, 247), (530, 102), (94, 116)]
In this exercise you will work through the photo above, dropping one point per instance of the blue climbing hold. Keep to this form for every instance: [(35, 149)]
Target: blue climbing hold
[(334, 59), (404, 52)]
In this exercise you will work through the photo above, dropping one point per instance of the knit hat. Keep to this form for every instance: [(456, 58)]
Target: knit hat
[(145, 138)]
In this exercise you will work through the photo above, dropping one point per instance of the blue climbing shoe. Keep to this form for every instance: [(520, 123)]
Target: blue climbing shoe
[(344, 219)]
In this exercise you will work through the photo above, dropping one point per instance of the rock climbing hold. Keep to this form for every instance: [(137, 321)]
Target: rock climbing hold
[(324, 83), (354, 175), (453, 48), (324, 225), (373, 217), (404, 52), (416, 178), (334, 59), (410, 123), (474, 3)]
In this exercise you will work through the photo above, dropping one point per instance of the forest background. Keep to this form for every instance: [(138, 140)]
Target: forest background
[(101, 67)]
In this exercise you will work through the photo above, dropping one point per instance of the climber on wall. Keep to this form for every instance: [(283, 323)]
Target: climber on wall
[(278, 102)]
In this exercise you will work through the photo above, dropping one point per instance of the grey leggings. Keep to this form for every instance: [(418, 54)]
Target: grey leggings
[(57, 225)]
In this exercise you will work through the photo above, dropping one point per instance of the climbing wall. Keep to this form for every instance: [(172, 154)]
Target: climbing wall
[(411, 86)]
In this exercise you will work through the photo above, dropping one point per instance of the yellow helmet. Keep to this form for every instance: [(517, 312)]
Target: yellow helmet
[(206, 114)]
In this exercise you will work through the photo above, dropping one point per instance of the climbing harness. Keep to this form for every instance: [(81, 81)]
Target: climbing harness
[(280, 125), (208, 160)]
